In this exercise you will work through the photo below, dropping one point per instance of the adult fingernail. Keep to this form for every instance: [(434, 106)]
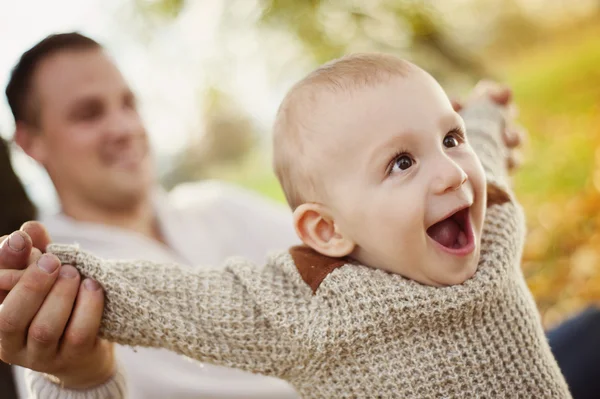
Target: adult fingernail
[(47, 263), (16, 242), (91, 285), (68, 271)]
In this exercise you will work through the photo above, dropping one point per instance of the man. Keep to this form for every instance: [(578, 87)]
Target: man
[(76, 116)]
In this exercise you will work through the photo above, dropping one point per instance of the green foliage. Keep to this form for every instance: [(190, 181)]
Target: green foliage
[(558, 90), (329, 29), (161, 9)]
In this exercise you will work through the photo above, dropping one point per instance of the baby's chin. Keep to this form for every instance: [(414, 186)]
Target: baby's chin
[(455, 274), (466, 272)]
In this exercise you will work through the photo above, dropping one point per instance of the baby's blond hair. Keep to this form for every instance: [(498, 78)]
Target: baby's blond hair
[(352, 72)]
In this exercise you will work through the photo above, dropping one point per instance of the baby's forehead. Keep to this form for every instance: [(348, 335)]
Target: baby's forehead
[(336, 121), (328, 116)]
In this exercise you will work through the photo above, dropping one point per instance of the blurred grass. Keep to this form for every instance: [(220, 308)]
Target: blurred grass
[(557, 88)]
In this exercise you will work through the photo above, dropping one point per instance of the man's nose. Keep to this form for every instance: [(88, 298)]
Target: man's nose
[(122, 125), (448, 176)]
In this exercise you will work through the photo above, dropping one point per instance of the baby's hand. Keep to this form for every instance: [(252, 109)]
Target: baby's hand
[(513, 135)]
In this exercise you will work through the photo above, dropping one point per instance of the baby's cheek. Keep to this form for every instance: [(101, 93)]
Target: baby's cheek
[(479, 217), (480, 198)]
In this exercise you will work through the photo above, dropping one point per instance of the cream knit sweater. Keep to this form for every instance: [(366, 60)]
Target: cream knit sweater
[(346, 330)]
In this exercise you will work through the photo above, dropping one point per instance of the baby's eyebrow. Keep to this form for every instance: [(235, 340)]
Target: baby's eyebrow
[(452, 121), (460, 130), (389, 147)]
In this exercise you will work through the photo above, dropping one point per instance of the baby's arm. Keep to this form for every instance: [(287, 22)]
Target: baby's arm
[(207, 314), (485, 124), (504, 227)]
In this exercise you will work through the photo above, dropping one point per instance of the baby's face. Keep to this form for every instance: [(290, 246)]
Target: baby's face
[(401, 180)]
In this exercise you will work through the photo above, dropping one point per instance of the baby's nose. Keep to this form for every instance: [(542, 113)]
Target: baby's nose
[(449, 177)]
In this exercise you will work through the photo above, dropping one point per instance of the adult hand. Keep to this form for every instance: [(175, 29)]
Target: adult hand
[(49, 318), (513, 135)]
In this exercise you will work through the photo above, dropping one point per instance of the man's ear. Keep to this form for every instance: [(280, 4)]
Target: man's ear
[(30, 140), (317, 229)]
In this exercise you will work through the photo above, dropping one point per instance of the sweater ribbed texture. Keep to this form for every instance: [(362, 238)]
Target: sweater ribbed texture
[(41, 386), (365, 333)]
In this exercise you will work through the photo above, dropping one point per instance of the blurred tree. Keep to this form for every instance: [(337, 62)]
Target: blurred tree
[(228, 134), (159, 9), (327, 29), (411, 28)]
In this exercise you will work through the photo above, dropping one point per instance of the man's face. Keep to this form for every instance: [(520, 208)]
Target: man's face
[(91, 139), (402, 181)]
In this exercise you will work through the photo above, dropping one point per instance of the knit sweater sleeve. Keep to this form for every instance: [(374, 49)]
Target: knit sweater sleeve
[(226, 316), (43, 386), (484, 124)]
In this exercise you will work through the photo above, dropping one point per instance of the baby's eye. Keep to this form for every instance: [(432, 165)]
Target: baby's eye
[(402, 162), (450, 141)]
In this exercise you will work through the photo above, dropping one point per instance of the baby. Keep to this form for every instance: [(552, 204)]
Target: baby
[(408, 283)]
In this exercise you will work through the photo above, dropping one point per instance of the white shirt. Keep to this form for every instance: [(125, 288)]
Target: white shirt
[(203, 224)]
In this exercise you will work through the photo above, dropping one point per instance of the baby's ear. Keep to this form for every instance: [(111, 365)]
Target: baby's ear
[(317, 229)]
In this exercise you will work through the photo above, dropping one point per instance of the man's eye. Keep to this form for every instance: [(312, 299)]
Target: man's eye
[(88, 112), (130, 102), (450, 141), (402, 162)]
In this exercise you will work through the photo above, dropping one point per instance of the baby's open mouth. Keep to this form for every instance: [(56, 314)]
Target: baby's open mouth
[(454, 232)]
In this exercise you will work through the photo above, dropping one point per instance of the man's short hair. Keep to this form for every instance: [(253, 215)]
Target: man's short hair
[(19, 88)]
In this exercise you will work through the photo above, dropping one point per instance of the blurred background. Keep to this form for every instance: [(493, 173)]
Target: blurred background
[(210, 74)]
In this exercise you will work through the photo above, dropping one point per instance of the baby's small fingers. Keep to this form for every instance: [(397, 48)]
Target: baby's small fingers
[(510, 137), (497, 92), (514, 136), (514, 160), (456, 104), (522, 134)]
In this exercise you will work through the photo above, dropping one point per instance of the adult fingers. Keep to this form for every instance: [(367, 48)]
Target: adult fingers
[(50, 321), (34, 256), (12, 276), (82, 331), (9, 278), (15, 251), (22, 303), (38, 233)]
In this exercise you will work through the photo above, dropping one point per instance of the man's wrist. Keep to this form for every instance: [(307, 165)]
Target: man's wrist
[(96, 370), (42, 387)]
